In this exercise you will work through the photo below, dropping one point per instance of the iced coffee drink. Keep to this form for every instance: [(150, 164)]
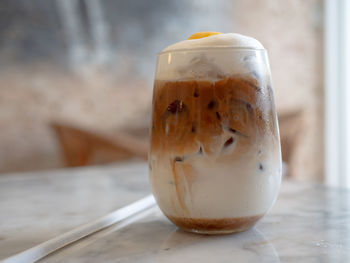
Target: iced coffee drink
[(215, 161)]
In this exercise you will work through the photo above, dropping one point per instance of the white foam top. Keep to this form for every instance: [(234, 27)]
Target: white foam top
[(205, 59), (220, 40)]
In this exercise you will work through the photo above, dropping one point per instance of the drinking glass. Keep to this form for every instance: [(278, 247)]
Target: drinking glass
[(215, 158)]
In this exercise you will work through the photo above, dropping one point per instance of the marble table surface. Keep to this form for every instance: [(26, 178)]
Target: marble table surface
[(38, 206), (309, 222)]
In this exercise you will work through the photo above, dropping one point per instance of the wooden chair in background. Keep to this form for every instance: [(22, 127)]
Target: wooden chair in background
[(81, 147), (290, 125)]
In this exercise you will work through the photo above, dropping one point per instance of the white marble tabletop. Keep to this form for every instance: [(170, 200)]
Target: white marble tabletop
[(309, 223), (37, 206)]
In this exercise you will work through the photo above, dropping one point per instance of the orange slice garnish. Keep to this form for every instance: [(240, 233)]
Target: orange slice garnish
[(199, 35)]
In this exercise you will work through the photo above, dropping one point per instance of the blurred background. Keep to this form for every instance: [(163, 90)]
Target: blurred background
[(76, 77)]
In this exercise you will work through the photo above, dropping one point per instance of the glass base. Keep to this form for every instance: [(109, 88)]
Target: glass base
[(208, 226)]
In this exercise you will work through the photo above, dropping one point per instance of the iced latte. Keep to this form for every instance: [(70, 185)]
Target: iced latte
[(215, 162)]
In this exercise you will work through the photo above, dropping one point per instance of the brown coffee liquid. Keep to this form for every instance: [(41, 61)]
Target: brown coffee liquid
[(189, 113)]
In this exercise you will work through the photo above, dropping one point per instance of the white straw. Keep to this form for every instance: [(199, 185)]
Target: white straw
[(38, 252)]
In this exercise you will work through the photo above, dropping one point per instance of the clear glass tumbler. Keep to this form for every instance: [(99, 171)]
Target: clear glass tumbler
[(215, 158)]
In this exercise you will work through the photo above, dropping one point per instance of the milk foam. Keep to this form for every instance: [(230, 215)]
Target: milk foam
[(210, 58), (217, 41)]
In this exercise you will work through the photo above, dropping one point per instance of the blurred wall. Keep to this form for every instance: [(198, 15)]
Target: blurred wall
[(91, 63)]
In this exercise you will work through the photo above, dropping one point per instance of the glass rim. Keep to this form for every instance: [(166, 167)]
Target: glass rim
[(210, 48)]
